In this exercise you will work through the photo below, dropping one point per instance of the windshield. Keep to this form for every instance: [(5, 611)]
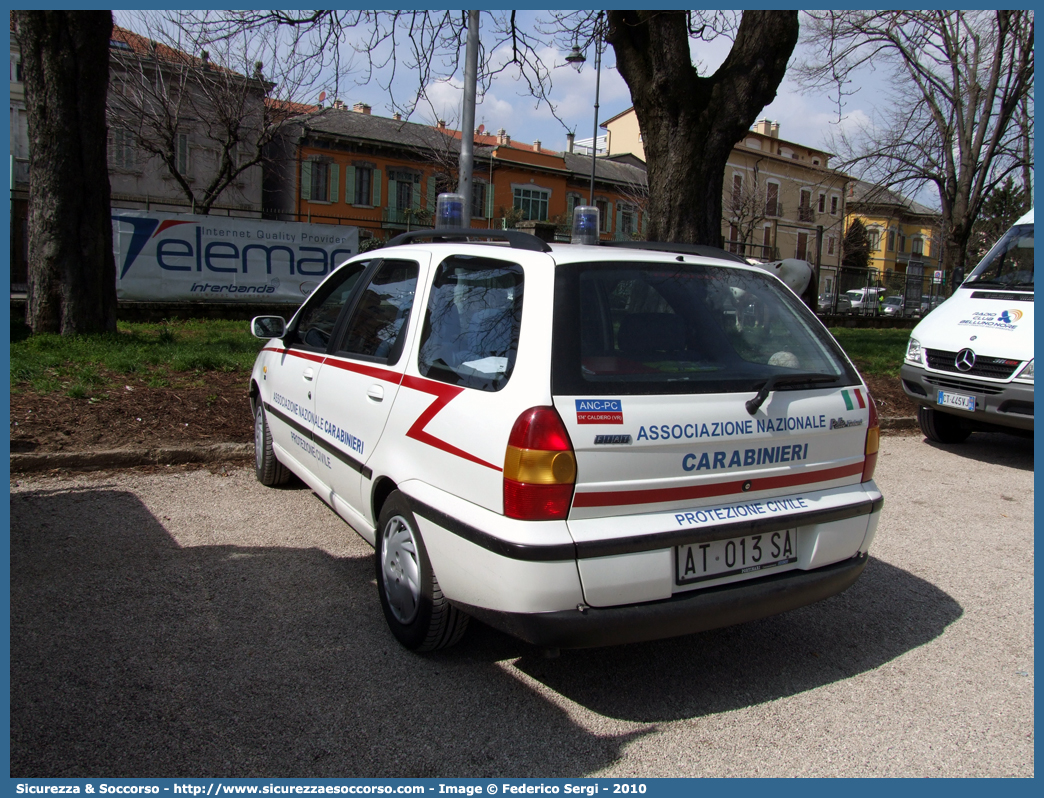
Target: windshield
[(1009, 264), (654, 327)]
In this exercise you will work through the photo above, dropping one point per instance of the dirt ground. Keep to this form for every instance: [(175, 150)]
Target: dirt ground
[(140, 417)]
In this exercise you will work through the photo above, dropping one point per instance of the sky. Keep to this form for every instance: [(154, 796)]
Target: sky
[(803, 118)]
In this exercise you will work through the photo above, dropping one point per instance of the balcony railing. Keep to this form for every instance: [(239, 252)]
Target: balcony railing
[(805, 214), (773, 209)]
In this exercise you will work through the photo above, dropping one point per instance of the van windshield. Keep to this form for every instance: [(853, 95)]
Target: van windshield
[(656, 327), (1009, 264)]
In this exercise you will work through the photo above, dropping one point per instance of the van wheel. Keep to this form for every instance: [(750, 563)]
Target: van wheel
[(417, 613), (268, 469), (941, 427)]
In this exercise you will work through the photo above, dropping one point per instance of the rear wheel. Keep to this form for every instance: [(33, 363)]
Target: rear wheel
[(941, 427), (417, 613), (268, 469)]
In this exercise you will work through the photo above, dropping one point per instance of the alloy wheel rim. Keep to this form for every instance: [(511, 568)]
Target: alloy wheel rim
[(400, 568), (259, 437)]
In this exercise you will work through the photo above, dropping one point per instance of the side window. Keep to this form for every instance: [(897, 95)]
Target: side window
[(377, 327), (316, 321), (470, 333)]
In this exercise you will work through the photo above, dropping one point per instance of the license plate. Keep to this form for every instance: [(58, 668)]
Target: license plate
[(959, 400), (698, 562)]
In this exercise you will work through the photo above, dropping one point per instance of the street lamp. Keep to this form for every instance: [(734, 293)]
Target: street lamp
[(577, 59)]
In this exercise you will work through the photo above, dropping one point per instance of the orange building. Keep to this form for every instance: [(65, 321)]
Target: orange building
[(346, 166)]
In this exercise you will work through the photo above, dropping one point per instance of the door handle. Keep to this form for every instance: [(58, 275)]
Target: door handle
[(376, 392), (308, 374)]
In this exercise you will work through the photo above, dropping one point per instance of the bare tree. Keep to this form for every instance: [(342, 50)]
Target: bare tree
[(958, 81), (744, 208), (174, 93), (689, 122), (72, 271)]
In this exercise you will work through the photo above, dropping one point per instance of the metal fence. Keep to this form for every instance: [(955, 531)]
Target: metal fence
[(865, 292)]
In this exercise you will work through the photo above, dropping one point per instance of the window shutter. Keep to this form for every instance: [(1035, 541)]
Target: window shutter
[(376, 188), (619, 216), (416, 195), (349, 185), (431, 193), (641, 225), (393, 195), (306, 180), (333, 195), (489, 201)]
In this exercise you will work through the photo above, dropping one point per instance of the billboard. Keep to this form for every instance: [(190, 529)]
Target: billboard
[(182, 257)]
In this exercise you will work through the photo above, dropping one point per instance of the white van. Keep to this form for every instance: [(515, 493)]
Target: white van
[(969, 365), (864, 300)]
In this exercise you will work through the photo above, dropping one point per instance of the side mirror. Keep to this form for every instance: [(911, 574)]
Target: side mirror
[(268, 327)]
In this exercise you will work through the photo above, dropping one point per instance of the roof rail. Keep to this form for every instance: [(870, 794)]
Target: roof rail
[(703, 250), (516, 239)]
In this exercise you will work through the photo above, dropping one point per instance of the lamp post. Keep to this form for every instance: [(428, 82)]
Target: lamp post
[(577, 59)]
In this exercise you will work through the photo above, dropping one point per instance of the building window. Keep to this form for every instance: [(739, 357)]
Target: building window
[(628, 215), (916, 246), (772, 206), (363, 185), (767, 240), (478, 200), (320, 182), (604, 214), (121, 148), (533, 202), (902, 242), (182, 154), (875, 239), (805, 206), (822, 203), (891, 240), (802, 246), (830, 245), (833, 206), (737, 190), (733, 238)]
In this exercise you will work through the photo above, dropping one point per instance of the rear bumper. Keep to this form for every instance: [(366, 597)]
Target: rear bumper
[(1006, 405), (682, 614)]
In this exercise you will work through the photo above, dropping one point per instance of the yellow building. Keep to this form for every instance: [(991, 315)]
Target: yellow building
[(904, 235)]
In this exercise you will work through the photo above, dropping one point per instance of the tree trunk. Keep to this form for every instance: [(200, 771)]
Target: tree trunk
[(689, 123), (72, 272)]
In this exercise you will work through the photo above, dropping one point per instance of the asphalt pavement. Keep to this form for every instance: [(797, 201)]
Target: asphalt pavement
[(173, 622)]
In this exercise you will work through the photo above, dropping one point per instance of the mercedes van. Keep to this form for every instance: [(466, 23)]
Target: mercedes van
[(969, 364)]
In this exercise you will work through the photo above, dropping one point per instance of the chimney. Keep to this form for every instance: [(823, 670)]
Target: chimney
[(763, 126), (442, 124), (570, 138), (536, 146), (774, 130), (361, 108), (502, 137), (339, 105), (206, 59), (397, 116)]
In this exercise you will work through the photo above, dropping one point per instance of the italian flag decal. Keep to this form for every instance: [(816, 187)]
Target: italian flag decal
[(850, 402)]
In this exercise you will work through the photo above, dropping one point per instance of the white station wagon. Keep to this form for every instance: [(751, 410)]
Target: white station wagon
[(578, 445)]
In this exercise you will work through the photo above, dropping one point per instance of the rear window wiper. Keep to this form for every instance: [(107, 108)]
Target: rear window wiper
[(777, 380)]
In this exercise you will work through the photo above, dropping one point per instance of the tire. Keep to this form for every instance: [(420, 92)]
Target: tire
[(268, 469), (941, 427), (417, 613)]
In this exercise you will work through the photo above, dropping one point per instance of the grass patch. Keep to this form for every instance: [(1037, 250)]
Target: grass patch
[(162, 354), (874, 351)]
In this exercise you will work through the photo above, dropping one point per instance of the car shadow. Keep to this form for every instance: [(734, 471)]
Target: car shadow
[(134, 656), (996, 448), (885, 614)]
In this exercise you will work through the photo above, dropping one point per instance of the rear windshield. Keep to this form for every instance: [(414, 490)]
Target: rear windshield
[(645, 328), (1009, 264)]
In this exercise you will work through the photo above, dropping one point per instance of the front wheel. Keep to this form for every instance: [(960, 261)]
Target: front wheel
[(417, 613), (941, 427), (267, 468)]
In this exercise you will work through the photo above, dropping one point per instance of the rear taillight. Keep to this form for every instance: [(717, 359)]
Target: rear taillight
[(873, 441), (539, 467)]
